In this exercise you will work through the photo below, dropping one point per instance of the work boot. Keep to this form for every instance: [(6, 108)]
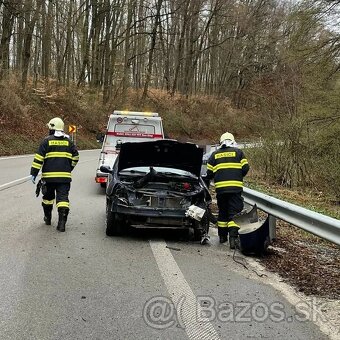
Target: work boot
[(62, 212), (233, 237), (47, 213), (223, 234)]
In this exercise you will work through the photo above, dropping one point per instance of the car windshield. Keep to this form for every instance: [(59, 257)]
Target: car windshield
[(111, 141), (160, 170)]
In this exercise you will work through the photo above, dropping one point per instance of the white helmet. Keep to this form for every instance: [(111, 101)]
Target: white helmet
[(56, 124), (227, 136)]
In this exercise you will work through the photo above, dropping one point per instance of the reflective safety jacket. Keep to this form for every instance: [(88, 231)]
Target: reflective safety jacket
[(57, 156), (227, 166)]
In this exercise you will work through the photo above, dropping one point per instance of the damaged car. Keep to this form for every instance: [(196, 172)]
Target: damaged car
[(157, 184)]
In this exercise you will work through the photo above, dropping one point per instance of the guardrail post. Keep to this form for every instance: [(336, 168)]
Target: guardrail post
[(272, 228)]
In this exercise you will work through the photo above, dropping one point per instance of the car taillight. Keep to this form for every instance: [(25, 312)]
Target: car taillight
[(186, 186), (101, 179)]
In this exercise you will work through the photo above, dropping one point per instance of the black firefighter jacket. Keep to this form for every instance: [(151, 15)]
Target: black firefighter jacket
[(57, 156), (227, 166)]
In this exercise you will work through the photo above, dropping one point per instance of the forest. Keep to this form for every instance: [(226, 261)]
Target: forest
[(264, 69)]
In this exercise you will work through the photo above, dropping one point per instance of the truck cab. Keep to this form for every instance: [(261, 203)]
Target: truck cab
[(126, 126)]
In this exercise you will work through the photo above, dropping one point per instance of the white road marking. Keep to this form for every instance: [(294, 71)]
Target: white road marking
[(182, 295), (16, 182), (27, 178), (32, 155), (14, 157)]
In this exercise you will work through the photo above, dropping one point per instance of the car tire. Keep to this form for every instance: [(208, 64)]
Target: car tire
[(194, 234), (103, 185), (200, 228), (114, 224), (197, 234)]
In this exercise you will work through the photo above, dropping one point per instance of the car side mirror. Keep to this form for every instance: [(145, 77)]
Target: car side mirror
[(105, 169), (119, 144)]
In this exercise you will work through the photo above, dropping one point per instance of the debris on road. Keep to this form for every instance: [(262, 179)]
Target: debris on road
[(172, 248)]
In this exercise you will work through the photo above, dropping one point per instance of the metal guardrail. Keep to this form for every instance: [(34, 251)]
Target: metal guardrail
[(320, 225), (323, 226), (240, 144)]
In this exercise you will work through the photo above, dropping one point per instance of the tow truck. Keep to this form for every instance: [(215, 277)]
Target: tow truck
[(122, 127)]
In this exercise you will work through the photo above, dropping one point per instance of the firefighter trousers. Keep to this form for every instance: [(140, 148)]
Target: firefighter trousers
[(229, 204), (58, 191)]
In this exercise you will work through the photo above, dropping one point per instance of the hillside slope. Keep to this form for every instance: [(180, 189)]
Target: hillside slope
[(24, 114)]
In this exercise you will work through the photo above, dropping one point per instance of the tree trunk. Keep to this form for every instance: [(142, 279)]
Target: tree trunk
[(28, 39), (152, 48), (7, 30), (178, 60), (126, 72)]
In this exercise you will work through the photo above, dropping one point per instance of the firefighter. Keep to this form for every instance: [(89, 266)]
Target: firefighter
[(57, 156), (227, 166)]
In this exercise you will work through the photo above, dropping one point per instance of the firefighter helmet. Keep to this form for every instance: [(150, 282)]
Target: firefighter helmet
[(56, 124), (227, 136)]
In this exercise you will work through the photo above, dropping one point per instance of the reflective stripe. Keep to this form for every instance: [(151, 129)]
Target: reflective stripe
[(222, 224), (244, 161), (232, 224), (56, 174), (225, 154), (223, 184), (75, 160), (36, 165), (39, 157), (210, 167), (58, 154), (38, 161), (63, 205), (58, 142), (48, 202), (227, 166)]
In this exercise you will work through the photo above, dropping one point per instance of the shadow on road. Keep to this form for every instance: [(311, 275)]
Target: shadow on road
[(156, 234)]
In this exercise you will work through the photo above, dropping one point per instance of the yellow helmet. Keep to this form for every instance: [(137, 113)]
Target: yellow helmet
[(227, 136), (56, 124)]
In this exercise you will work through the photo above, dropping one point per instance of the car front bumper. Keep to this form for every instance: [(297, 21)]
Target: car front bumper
[(145, 217)]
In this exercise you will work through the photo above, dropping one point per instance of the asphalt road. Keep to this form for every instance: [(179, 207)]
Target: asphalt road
[(82, 284)]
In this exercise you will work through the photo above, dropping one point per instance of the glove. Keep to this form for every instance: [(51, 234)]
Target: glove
[(33, 179)]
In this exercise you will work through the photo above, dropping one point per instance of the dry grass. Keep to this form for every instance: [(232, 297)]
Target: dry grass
[(23, 114), (310, 198)]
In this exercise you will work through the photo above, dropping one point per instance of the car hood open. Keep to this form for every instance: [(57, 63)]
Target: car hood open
[(162, 153)]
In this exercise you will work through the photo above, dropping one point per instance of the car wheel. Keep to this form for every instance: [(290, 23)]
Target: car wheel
[(194, 234), (114, 224), (103, 185), (197, 234), (200, 229)]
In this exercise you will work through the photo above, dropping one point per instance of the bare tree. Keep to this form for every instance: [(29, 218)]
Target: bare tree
[(9, 12), (30, 21), (152, 48)]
